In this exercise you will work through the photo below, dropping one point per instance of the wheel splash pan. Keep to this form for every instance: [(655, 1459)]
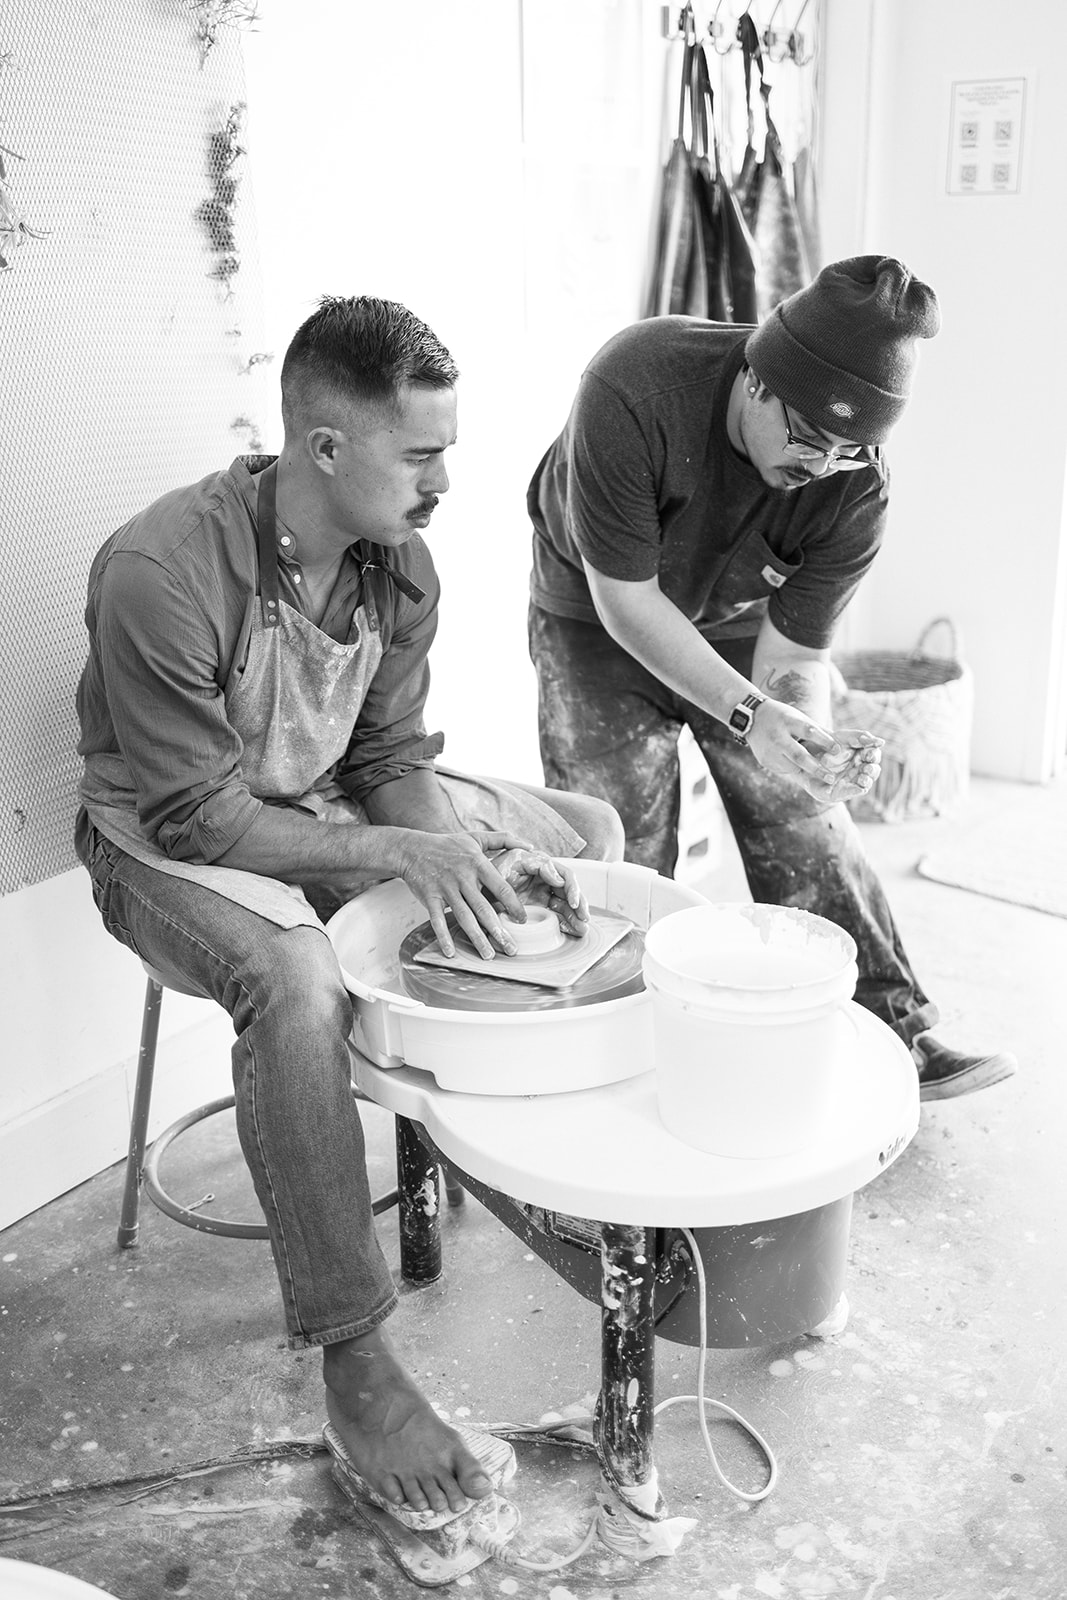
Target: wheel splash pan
[(498, 1052)]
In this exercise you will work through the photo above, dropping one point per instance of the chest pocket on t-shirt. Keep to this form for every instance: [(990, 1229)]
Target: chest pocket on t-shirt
[(752, 572)]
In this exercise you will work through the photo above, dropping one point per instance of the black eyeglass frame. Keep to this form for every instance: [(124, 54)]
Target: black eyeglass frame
[(807, 450)]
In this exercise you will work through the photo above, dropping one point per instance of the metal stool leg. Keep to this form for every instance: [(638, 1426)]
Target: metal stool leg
[(142, 1100), (419, 1200), (142, 1166)]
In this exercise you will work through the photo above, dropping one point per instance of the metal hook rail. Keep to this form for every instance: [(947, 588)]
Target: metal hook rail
[(780, 43)]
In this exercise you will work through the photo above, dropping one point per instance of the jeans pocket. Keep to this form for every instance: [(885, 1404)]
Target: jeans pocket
[(102, 859)]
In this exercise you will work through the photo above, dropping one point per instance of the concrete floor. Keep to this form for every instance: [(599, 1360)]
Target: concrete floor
[(922, 1451)]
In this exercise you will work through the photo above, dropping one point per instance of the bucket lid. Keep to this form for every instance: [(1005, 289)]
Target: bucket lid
[(750, 949)]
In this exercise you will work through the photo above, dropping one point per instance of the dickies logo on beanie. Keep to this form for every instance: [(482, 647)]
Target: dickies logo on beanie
[(842, 352)]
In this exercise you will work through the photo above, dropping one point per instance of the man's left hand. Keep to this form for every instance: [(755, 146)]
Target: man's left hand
[(847, 769), (538, 880)]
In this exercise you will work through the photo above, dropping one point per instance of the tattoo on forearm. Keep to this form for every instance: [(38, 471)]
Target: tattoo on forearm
[(791, 687)]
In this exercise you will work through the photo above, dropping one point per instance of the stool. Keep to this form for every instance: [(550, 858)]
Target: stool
[(420, 1259)]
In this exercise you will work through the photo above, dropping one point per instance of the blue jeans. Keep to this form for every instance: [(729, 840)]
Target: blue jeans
[(298, 1124), (609, 728)]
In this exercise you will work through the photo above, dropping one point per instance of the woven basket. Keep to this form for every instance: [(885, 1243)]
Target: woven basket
[(922, 706)]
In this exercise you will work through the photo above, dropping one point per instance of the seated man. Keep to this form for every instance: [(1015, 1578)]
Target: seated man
[(257, 674), (699, 525)]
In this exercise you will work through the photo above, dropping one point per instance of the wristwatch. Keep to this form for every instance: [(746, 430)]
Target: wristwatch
[(743, 715)]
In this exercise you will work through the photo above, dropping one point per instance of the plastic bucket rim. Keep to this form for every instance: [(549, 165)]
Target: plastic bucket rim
[(839, 934)]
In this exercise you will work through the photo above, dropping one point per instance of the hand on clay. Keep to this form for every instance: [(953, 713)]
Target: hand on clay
[(540, 881), (454, 872)]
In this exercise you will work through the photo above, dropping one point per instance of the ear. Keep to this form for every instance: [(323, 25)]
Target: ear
[(321, 444)]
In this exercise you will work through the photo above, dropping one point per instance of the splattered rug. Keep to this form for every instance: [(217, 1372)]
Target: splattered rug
[(1018, 854)]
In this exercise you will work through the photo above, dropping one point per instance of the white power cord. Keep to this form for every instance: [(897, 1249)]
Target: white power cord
[(702, 1400), (499, 1548)]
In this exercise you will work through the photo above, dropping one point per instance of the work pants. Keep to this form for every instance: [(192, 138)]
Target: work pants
[(610, 728), (298, 1124)]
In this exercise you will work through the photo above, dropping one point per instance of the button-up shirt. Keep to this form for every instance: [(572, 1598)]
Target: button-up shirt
[(171, 602)]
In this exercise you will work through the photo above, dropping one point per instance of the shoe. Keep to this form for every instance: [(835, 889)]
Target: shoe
[(945, 1073)]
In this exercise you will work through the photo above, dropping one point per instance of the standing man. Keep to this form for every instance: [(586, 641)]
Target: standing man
[(699, 525), (257, 675)]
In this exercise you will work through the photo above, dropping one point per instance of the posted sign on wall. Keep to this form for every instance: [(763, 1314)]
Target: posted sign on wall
[(986, 136)]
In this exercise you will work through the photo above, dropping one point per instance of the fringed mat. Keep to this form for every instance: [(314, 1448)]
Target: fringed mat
[(1018, 855)]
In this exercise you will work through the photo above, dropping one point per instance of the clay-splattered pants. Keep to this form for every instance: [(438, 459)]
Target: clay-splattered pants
[(609, 728)]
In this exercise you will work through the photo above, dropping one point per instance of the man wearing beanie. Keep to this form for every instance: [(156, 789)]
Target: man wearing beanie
[(699, 525)]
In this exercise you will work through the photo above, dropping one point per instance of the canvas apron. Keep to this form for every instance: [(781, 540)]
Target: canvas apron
[(293, 706)]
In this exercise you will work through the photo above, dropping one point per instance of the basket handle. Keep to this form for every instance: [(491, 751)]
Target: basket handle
[(954, 640)]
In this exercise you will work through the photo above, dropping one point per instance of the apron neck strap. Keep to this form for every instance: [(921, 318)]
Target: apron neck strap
[(267, 547), (267, 544)]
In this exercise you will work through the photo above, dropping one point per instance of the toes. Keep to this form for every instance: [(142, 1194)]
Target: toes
[(392, 1489), (438, 1496), (473, 1482), (413, 1495)]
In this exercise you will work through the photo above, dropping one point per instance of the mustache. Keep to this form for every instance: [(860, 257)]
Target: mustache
[(425, 507)]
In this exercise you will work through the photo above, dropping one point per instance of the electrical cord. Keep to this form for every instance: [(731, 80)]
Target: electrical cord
[(498, 1547), (483, 1538), (702, 1400)]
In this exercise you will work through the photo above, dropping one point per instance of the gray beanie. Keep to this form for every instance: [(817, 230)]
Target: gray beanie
[(842, 351)]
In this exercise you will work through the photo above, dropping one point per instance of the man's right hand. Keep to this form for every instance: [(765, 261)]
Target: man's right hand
[(830, 768), (452, 872)]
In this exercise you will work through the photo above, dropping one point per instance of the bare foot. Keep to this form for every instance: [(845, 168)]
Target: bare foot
[(396, 1440)]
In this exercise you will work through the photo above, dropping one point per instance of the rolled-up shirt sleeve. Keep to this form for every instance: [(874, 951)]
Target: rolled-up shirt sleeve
[(158, 655), (390, 739)]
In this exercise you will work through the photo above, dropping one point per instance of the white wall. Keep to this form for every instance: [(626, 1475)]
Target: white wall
[(496, 170), (121, 376), (977, 517)]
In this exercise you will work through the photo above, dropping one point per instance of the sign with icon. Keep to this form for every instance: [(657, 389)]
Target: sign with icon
[(986, 136)]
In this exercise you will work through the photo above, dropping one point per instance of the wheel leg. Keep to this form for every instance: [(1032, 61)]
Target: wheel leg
[(627, 1390), (419, 1203)]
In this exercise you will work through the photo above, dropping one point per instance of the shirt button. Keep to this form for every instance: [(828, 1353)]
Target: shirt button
[(296, 577), (285, 541)]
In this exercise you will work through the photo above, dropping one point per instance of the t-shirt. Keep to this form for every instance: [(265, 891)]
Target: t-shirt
[(643, 482)]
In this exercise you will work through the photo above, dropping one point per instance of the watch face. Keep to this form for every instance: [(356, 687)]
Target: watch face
[(741, 719)]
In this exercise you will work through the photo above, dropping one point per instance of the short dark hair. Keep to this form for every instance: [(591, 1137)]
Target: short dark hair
[(358, 350)]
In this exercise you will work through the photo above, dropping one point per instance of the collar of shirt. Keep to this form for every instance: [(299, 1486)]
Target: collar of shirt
[(345, 597)]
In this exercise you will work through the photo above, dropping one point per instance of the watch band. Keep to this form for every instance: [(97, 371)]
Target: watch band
[(743, 715)]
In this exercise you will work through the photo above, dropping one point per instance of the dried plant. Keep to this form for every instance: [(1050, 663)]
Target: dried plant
[(211, 15), (217, 213), (14, 229)]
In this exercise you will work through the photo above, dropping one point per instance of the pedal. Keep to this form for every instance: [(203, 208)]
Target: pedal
[(433, 1547)]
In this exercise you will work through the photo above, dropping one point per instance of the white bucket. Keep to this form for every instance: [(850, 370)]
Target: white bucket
[(746, 1024)]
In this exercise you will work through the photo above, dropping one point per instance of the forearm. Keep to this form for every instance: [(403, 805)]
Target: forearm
[(641, 619), (804, 684), (286, 844)]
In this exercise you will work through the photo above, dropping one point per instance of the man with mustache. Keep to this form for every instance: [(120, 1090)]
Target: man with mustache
[(699, 526), (254, 754)]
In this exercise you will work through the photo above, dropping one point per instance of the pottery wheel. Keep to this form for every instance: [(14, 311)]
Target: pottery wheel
[(616, 974)]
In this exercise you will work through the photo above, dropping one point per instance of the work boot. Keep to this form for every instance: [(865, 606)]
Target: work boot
[(945, 1073)]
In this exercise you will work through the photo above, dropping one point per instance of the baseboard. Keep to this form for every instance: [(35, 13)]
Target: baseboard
[(56, 1146)]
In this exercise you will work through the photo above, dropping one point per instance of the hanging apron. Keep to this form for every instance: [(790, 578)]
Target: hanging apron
[(294, 706)]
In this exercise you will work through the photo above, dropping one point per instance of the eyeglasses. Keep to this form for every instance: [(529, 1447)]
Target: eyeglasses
[(808, 450)]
